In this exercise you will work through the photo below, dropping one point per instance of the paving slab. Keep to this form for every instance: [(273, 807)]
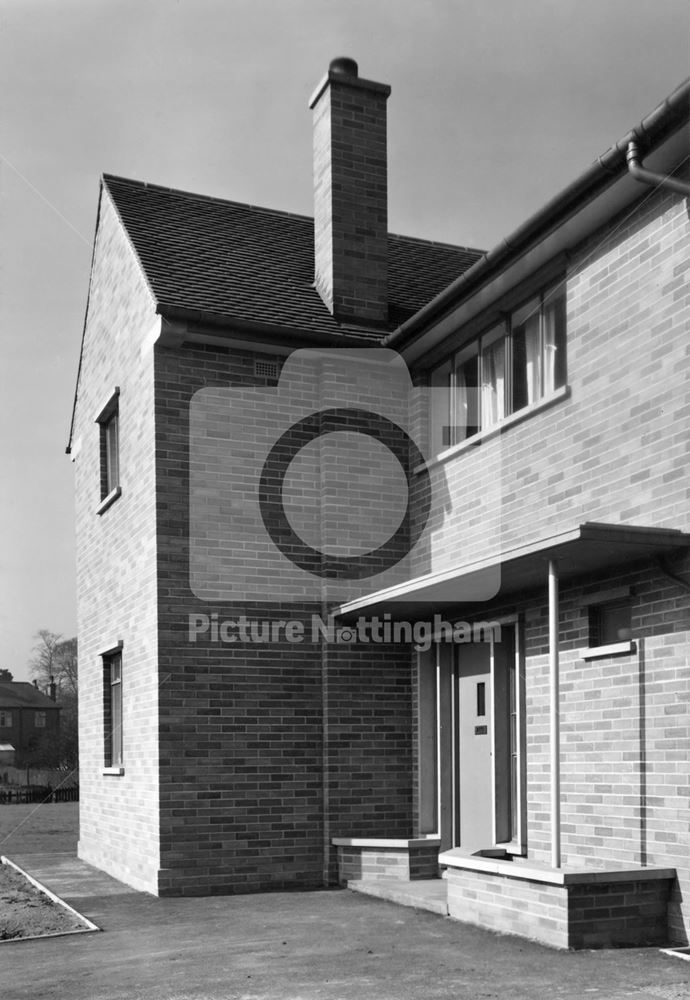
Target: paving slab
[(328, 945)]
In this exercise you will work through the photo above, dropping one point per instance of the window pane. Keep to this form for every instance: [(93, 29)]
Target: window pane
[(440, 408), (527, 377), (111, 448), (554, 340), (116, 710), (493, 380), (466, 397)]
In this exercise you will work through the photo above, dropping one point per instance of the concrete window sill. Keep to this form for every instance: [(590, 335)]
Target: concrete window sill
[(117, 772), (614, 649), (109, 500)]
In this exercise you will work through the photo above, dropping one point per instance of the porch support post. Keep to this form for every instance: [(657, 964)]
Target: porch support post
[(554, 727)]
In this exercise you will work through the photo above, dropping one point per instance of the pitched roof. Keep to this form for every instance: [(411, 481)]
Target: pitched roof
[(228, 260), (21, 694)]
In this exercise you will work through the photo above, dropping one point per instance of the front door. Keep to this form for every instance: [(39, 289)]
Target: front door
[(473, 770), (471, 781)]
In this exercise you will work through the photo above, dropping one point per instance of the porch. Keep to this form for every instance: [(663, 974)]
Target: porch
[(565, 907)]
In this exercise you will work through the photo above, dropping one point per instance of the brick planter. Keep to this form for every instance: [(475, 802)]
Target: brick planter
[(401, 860), (565, 909)]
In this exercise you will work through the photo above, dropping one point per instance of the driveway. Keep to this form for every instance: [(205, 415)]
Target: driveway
[(330, 945)]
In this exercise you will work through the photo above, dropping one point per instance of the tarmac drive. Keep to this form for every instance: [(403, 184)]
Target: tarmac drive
[(329, 945)]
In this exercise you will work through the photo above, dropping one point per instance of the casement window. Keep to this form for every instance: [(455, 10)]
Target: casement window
[(39, 720), (112, 711), (512, 366), (108, 420), (5, 720), (610, 623)]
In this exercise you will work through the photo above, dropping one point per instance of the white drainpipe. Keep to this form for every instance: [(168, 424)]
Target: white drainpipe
[(554, 728)]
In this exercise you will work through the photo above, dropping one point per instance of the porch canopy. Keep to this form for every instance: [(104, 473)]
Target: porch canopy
[(586, 550)]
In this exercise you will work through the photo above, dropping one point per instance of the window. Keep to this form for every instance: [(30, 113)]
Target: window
[(513, 365), (112, 710), (5, 720), (39, 720), (109, 428), (609, 623)]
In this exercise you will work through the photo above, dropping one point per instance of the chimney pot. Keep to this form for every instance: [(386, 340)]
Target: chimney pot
[(344, 65)]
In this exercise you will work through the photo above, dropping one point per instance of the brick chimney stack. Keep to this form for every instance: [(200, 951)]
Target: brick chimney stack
[(351, 194)]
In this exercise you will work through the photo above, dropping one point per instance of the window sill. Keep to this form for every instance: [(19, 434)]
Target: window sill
[(614, 649), (115, 771), (109, 500), (490, 432)]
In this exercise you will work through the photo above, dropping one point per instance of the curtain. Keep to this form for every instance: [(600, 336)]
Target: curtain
[(493, 382)]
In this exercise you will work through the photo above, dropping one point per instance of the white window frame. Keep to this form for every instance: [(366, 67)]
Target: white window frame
[(503, 329)]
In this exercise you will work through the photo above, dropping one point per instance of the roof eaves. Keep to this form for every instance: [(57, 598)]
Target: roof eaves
[(666, 118)]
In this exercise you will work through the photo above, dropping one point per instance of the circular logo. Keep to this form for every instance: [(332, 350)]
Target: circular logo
[(273, 510)]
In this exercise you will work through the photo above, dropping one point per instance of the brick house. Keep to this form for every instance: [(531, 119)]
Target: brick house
[(290, 674), (28, 720)]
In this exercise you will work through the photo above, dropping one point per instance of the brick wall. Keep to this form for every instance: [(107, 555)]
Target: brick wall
[(614, 451), (351, 198), (116, 568), (267, 750)]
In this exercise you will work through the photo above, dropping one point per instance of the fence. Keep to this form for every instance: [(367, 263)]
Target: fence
[(38, 794)]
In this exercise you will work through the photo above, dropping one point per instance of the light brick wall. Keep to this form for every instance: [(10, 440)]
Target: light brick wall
[(591, 915), (615, 451), (116, 567)]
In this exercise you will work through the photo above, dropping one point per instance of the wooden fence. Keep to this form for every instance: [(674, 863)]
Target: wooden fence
[(38, 794)]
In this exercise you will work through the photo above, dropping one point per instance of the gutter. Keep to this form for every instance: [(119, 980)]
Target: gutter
[(664, 120), (266, 331)]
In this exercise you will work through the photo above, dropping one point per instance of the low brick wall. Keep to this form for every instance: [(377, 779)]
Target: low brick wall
[(401, 860), (564, 909)]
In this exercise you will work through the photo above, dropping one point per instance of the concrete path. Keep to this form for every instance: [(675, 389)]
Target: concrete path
[(331, 945)]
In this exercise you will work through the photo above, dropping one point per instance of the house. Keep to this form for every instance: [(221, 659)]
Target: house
[(29, 721), (383, 543)]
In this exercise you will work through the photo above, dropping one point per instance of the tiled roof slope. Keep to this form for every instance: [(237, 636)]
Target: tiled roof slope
[(21, 694), (225, 259)]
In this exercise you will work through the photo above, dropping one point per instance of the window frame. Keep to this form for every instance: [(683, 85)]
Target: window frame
[(108, 420), (6, 714), (113, 711), (597, 605), (504, 329), (43, 717)]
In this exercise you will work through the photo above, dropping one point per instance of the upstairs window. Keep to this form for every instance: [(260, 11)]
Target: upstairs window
[(512, 366), (109, 428)]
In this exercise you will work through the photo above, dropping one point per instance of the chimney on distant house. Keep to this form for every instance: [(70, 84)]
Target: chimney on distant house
[(53, 689), (351, 194)]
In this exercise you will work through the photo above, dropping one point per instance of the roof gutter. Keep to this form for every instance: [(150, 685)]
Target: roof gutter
[(664, 120)]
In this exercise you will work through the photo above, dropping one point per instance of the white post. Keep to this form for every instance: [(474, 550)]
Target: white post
[(554, 728)]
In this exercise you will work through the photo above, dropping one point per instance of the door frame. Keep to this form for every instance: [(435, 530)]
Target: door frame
[(439, 807)]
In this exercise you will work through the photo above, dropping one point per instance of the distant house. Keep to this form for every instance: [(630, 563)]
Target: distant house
[(28, 719), (228, 745)]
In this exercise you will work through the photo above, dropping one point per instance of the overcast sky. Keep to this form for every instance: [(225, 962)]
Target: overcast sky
[(495, 106)]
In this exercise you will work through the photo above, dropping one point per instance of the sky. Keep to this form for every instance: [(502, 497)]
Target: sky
[(495, 107)]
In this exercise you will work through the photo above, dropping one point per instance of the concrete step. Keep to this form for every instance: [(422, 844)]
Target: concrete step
[(424, 894)]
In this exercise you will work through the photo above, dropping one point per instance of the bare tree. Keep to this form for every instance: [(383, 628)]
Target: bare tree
[(55, 659)]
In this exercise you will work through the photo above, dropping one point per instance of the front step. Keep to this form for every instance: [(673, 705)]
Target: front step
[(424, 894)]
